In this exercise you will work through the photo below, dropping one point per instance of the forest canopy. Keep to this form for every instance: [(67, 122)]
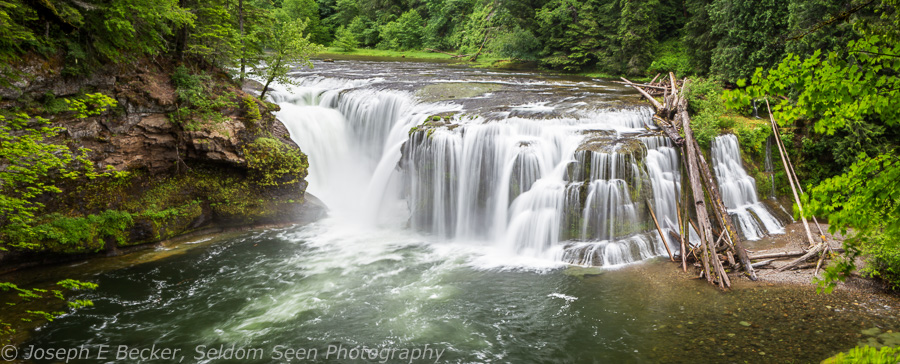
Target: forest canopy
[(724, 39)]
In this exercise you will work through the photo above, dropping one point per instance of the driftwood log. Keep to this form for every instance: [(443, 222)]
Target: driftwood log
[(673, 118)]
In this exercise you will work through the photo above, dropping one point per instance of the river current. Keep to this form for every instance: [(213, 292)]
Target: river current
[(511, 228)]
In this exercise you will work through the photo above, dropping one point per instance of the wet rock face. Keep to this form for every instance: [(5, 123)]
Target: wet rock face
[(200, 171), (138, 133)]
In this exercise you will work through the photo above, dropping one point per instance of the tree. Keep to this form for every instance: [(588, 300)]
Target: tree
[(119, 29), (851, 90), (571, 33), (517, 44), (404, 33), (637, 34), (288, 47), (33, 164), (307, 10), (345, 39), (699, 39), (749, 36)]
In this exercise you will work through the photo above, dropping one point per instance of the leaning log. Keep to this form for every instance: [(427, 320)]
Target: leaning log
[(787, 171), (656, 104), (711, 264), (661, 234)]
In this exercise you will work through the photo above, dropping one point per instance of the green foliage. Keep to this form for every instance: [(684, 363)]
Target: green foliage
[(251, 109), (699, 40), (345, 40), (72, 234), (91, 105), (37, 294), (571, 32), (53, 105), (747, 33), (404, 33), (306, 11), (121, 28), (289, 48), (447, 21), (864, 199), (867, 355), (670, 57), (637, 35), (840, 92), (708, 112), (198, 105), (518, 43), (274, 162), (214, 36), (34, 164)]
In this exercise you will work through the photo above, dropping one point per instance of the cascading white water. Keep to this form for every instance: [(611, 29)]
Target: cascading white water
[(739, 190), (528, 185), (574, 188), (352, 137)]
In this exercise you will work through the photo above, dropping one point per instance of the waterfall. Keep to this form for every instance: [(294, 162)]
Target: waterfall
[(739, 190), (352, 136), (569, 186), (554, 188)]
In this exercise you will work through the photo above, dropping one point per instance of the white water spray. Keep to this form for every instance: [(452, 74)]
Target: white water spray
[(739, 190)]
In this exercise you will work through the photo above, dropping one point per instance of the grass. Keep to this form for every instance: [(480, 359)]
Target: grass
[(384, 53), (484, 60)]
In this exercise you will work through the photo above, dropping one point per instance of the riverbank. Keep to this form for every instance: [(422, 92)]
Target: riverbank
[(794, 240), (483, 61)]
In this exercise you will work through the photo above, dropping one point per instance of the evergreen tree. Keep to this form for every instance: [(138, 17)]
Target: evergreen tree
[(637, 35), (571, 34), (750, 35)]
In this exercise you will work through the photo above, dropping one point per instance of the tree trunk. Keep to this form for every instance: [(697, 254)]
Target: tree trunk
[(241, 28), (711, 264), (787, 171), (658, 229)]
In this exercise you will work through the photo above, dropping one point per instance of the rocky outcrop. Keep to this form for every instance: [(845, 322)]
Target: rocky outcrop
[(181, 179)]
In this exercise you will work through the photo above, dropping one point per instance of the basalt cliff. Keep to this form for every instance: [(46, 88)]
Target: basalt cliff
[(170, 165)]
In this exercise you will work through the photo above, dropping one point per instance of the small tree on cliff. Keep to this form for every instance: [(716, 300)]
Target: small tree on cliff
[(288, 47)]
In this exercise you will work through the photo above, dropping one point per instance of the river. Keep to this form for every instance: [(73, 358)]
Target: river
[(455, 237)]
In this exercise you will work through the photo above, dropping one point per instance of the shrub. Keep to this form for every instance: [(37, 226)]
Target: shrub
[(866, 354), (275, 163), (345, 40), (670, 56), (404, 33), (517, 44), (199, 104)]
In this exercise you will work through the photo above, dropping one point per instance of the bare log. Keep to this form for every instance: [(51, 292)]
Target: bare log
[(644, 85), (661, 234), (669, 130), (788, 173), (647, 96), (809, 254), (763, 263), (786, 254), (680, 227), (777, 255), (711, 264)]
